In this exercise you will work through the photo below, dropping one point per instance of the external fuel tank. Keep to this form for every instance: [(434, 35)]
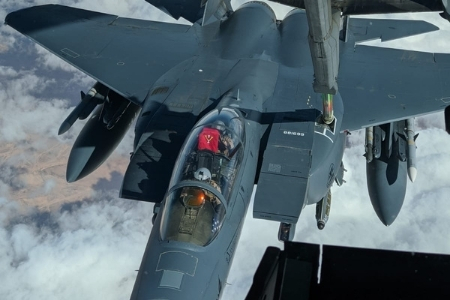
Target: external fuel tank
[(387, 175), (100, 136)]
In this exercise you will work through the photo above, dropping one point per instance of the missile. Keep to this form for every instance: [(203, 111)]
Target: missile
[(402, 150), (89, 101), (323, 210), (378, 137), (339, 179), (411, 139), (369, 144)]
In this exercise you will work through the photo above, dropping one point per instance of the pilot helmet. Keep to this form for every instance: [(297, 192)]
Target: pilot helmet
[(202, 174), (219, 125)]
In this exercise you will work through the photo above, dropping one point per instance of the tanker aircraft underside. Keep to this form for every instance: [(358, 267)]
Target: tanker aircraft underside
[(240, 98)]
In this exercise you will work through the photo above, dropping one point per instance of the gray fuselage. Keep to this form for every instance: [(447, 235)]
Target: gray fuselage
[(258, 67)]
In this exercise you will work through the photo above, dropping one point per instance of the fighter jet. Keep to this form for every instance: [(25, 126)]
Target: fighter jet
[(240, 98)]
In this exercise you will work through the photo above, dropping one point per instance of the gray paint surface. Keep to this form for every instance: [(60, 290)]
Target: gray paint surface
[(261, 68)]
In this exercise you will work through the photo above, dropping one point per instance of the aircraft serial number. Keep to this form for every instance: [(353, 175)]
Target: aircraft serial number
[(293, 133)]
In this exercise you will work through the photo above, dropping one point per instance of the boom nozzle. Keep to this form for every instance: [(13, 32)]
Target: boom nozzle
[(286, 232), (328, 116)]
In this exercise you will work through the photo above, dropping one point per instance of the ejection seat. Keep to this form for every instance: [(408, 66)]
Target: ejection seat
[(204, 159)]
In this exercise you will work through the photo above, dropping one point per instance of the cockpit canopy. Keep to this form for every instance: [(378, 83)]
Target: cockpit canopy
[(212, 152), (193, 215), (203, 179)]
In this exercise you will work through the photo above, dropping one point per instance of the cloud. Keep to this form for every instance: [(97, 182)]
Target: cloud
[(79, 241), (72, 252), (22, 112), (33, 100), (3, 48)]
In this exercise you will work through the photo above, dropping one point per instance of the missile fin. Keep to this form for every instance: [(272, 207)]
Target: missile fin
[(403, 136)]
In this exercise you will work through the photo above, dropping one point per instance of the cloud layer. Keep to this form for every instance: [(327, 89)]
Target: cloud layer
[(60, 241), (86, 250)]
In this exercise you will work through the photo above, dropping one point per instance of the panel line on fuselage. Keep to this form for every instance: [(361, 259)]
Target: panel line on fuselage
[(325, 130)]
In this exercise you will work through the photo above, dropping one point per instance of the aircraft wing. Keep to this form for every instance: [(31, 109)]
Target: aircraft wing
[(380, 85), (358, 7), (126, 55)]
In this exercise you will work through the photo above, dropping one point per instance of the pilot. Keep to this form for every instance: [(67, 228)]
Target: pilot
[(226, 144), (225, 141), (193, 200), (203, 174)]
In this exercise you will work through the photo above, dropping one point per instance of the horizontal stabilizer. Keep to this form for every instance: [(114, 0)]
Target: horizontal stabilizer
[(359, 30), (364, 7)]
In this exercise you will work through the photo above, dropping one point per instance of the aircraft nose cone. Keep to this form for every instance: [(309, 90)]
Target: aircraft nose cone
[(79, 164)]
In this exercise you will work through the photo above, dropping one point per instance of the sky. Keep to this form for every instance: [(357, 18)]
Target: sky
[(61, 241)]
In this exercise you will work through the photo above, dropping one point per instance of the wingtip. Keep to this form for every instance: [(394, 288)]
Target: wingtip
[(8, 16), (12, 14), (13, 18)]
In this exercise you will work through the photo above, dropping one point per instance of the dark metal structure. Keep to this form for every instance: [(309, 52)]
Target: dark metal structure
[(309, 271)]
